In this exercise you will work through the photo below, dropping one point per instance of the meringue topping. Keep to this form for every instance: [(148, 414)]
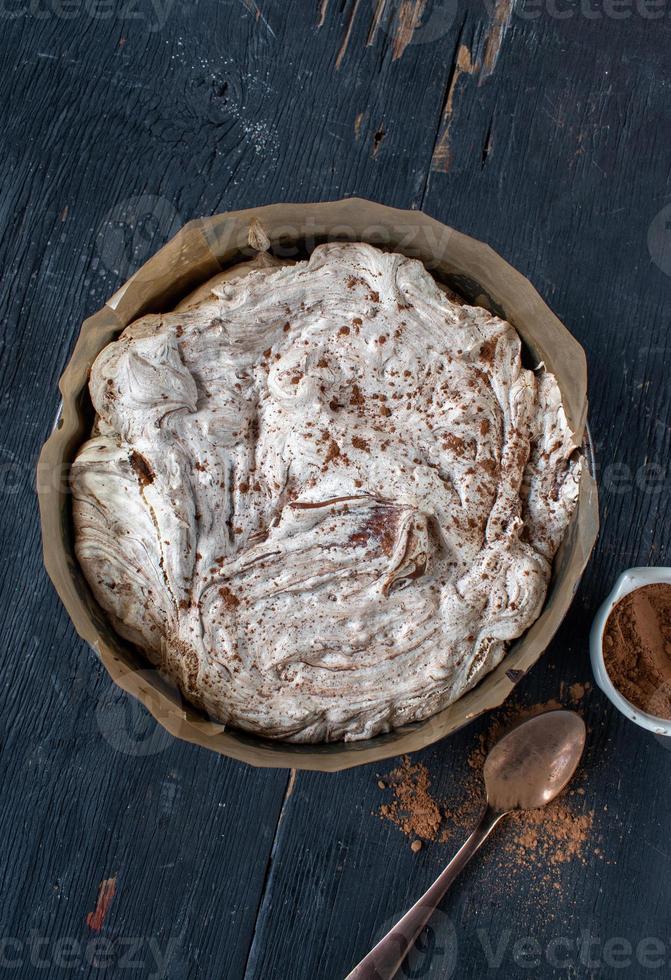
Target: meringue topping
[(323, 497)]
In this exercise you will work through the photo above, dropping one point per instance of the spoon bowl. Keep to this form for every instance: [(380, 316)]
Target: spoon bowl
[(533, 763)]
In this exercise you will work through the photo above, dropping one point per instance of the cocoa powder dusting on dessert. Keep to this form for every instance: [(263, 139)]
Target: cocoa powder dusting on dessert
[(142, 468), (488, 350), (637, 648), (231, 601), (318, 483), (332, 452)]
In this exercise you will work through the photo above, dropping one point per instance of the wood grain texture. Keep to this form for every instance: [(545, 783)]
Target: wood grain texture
[(546, 137)]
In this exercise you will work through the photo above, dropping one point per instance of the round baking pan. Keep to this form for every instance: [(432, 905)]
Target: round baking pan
[(202, 249)]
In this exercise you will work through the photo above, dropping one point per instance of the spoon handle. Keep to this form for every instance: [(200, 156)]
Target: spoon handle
[(384, 959)]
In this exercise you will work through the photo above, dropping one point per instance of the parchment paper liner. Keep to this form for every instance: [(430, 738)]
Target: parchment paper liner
[(200, 250)]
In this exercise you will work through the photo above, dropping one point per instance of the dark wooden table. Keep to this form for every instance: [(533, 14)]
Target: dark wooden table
[(543, 130)]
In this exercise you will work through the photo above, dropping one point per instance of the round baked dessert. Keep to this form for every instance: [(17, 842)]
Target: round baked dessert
[(322, 497)]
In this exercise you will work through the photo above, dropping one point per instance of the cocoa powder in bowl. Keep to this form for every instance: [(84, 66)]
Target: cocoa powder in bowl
[(637, 648)]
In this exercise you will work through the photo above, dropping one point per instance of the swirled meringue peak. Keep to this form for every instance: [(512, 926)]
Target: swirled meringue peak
[(324, 497)]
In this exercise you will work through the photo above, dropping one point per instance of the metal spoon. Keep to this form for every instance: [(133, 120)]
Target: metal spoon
[(526, 769)]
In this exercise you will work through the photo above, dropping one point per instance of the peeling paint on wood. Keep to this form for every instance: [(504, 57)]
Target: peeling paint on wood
[(464, 65), (348, 34), (323, 10), (378, 16), (96, 920), (404, 22), (500, 23), (254, 9), (360, 116), (468, 64), (409, 18)]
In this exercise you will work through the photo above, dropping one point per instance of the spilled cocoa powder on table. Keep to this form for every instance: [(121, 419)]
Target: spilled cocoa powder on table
[(534, 839), (413, 809), (637, 648)]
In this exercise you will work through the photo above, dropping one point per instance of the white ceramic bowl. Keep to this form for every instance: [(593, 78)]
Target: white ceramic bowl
[(629, 581)]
